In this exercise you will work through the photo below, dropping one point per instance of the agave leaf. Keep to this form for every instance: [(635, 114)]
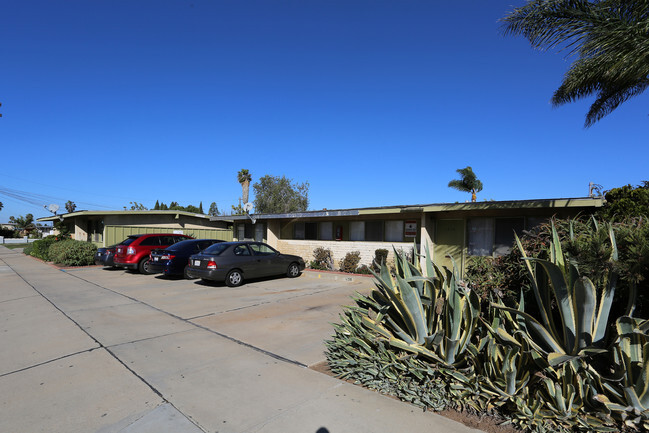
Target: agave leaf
[(543, 307), (413, 348), (414, 308), (375, 326), (546, 337), (563, 295), (604, 310), (584, 300), (555, 359)]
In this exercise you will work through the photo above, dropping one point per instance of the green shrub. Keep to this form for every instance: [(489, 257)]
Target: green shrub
[(40, 249), (72, 253), (322, 259), (364, 270), (380, 257), (28, 249), (350, 262)]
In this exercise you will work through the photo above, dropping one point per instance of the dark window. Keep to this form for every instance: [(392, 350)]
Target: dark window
[(241, 250), (311, 231), (373, 230), (179, 246), (299, 230), (128, 240), (216, 249), (150, 241), (504, 237)]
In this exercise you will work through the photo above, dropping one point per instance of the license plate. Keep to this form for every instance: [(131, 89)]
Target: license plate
[(155, 259), (197, 262)]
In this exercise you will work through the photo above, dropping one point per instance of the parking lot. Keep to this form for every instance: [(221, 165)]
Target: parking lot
[(97, 350)]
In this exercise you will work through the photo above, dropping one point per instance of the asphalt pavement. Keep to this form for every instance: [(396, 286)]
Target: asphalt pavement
[(97, 350)]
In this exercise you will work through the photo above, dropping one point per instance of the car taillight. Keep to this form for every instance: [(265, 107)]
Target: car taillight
[(130, 251), (211, 264), (167, 257)]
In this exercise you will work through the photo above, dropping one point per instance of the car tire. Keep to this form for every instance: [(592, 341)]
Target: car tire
[(143, 266), (293, 270), (234, 278)]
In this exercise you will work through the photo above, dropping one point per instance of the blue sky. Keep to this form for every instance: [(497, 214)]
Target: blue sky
[(372, 102)]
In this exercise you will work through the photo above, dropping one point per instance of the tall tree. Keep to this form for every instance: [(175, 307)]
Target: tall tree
[(214, 210), (157, 205), (609, 39), (1, 205), (70, 206), (468, 182), (200, 208), (278, 195), (244, 179)]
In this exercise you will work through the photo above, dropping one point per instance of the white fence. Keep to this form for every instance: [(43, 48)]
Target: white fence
[(23, 240)]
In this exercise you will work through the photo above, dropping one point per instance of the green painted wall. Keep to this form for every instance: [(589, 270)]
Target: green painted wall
[(116, 234)]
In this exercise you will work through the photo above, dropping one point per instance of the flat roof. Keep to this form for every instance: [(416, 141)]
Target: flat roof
[(585, 202), (122, 212)]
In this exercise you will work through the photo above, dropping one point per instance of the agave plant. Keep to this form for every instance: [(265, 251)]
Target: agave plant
[(580, 327), (432, 315), (626, 395)]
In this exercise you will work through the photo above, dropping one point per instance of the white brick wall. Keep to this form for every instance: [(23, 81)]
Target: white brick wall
[(339, 249)]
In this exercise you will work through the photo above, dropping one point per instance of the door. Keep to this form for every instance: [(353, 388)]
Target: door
[(449, 241)]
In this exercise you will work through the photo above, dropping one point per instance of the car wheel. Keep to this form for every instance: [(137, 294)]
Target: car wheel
[(234, 278), (293, 270), (143, 266)]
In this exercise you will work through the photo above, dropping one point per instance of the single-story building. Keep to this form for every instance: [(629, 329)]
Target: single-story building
[(460, 230), (105, 228)]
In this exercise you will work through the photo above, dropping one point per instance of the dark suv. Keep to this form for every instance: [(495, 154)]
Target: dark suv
[(133, 253)]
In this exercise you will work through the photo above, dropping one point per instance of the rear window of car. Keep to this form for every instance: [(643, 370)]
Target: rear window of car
[(128, 240), (216, 249), (182, 245)]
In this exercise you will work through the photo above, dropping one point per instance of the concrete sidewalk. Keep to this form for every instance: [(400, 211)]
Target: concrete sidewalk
[(101, 351)]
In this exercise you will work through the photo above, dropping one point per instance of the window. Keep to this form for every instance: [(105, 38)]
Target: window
[(504, 238), (374, 231), (357, 231), (260, 230), (394, 231), (216, 249), (481, 235), (262, 250), (327, 231), (244, 231), (311, 231), (298, 231), (151, 241), (241, 250)]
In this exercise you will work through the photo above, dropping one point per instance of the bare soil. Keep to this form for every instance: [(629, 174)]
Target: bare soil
[(487, 424)]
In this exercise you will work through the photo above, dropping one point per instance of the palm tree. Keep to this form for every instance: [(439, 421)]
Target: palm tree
[(468, 183), (244, 179), (609, 39)]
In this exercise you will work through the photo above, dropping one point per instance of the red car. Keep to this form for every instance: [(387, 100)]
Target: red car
[(134, 252)]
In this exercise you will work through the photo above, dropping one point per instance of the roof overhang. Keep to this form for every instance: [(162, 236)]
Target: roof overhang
[(89, 213), (557, 203)]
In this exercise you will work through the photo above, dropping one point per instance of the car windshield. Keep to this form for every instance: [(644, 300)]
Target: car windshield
[(216, 249)]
